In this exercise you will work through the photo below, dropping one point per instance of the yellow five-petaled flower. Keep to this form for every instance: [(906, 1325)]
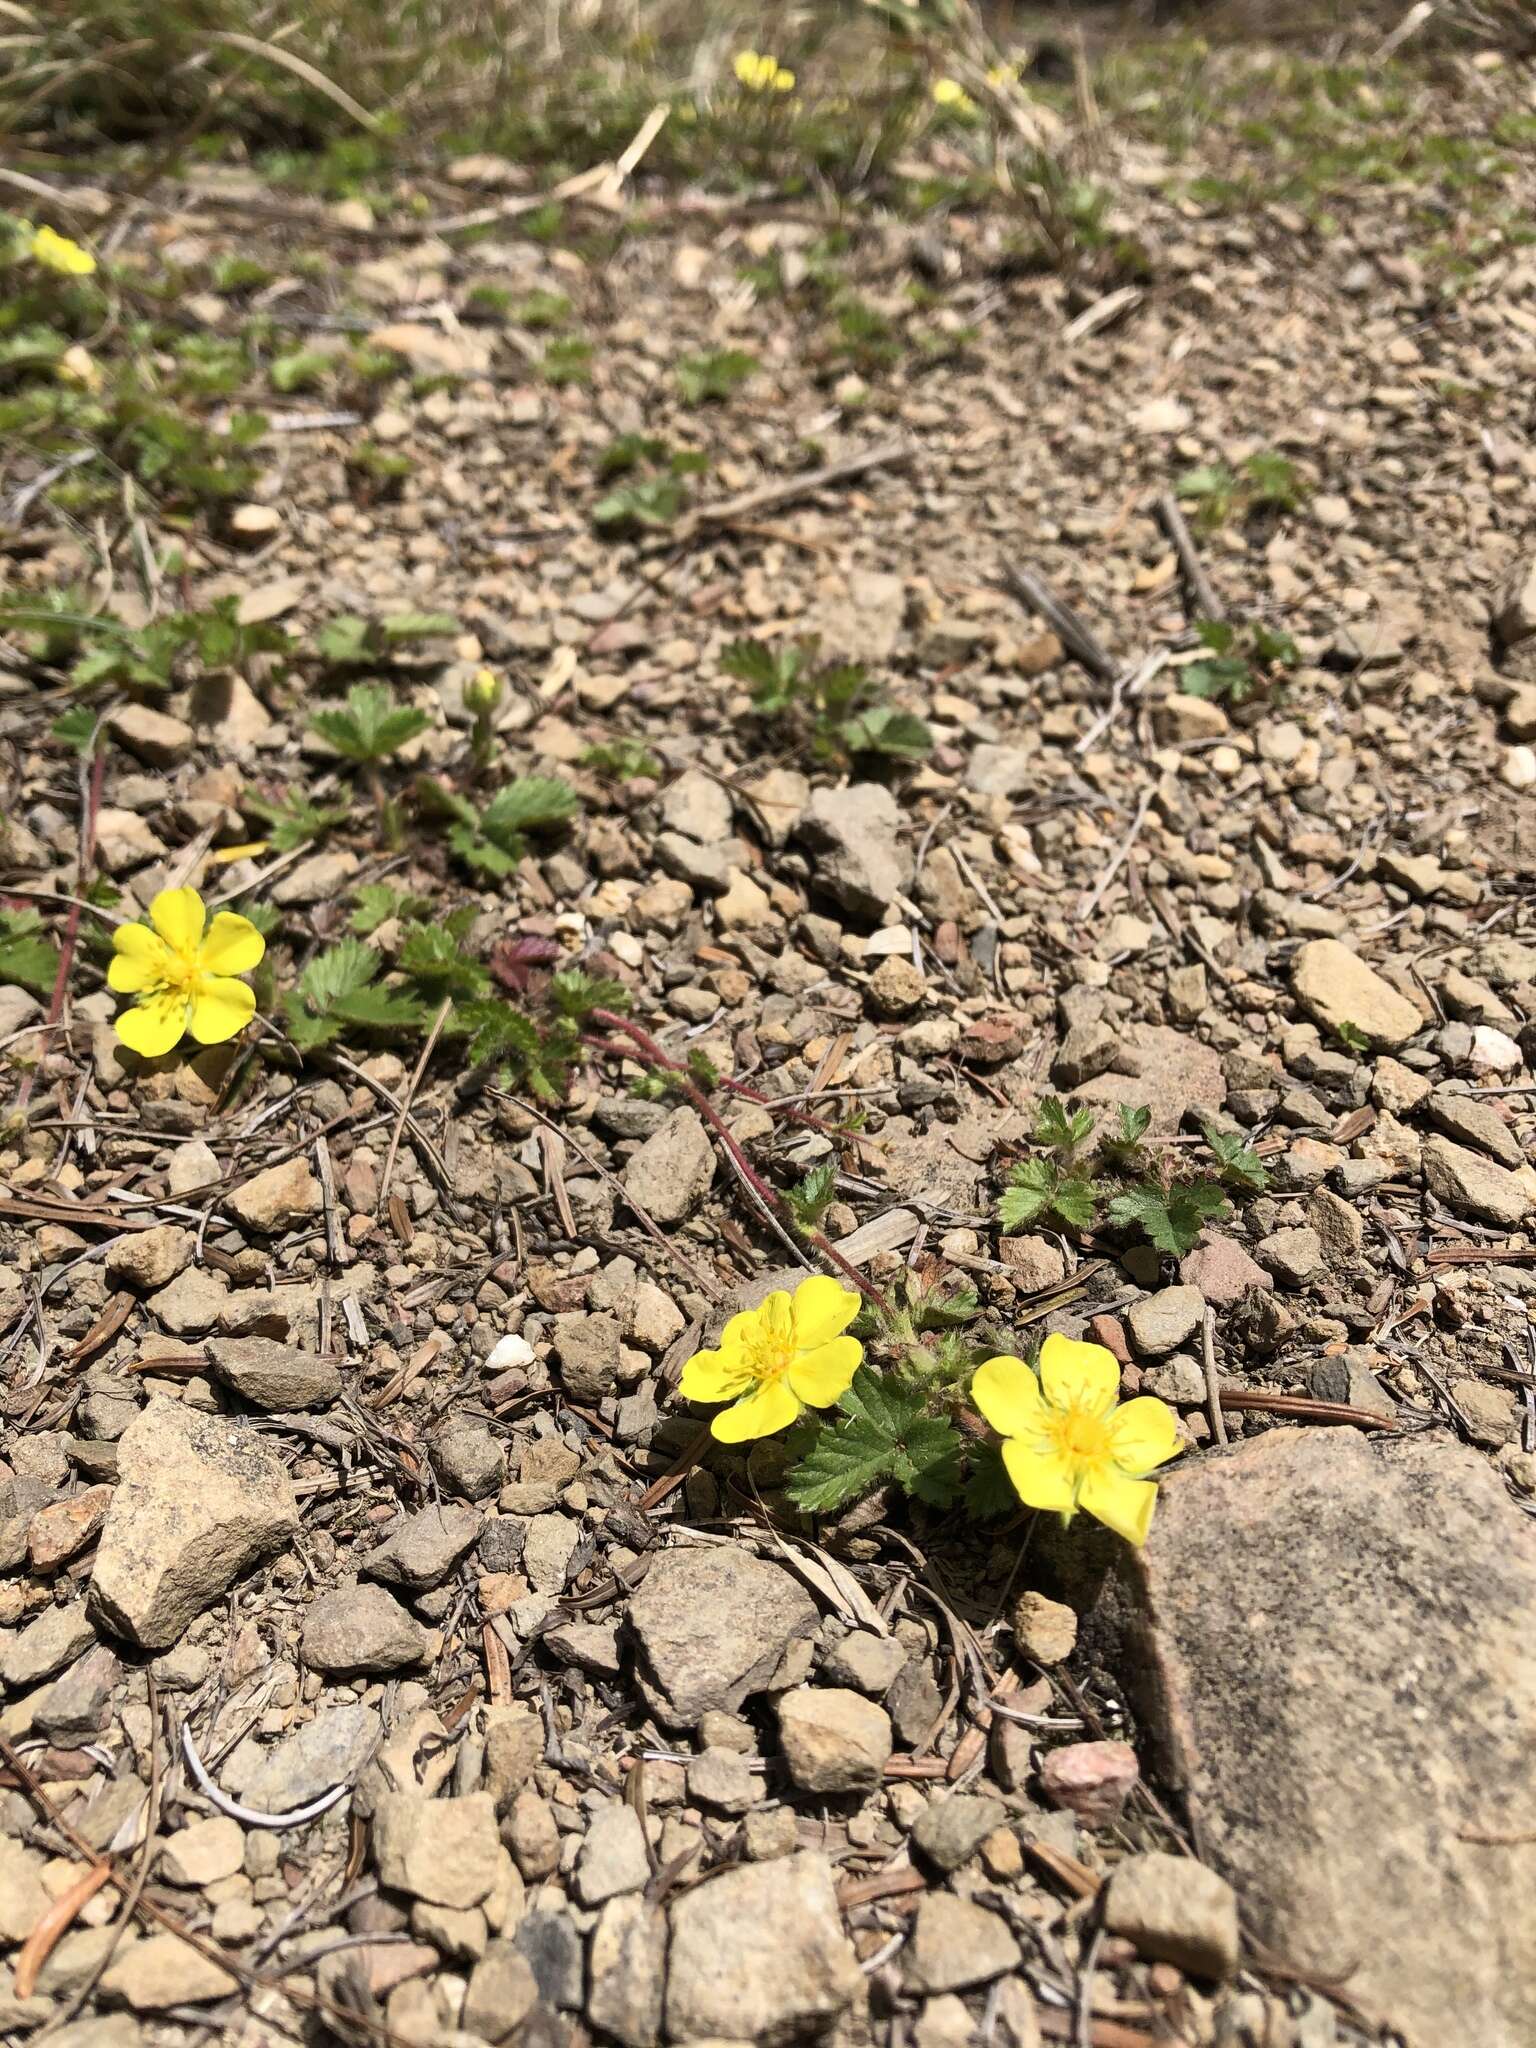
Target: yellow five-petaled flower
[(773, 1361), (58, 252), (1068, 1443), (182, 974), (950, 94), (758, 72)]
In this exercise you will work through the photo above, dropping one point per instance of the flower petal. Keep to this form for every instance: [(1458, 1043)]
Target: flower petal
[(710, 1376), (775, 1315), (820, 1375), (823, 1310), (767, 1408), (220, 1008), (231, 945), (1124, 1505), (1008, 1395), (1078, 1375), (177, 915), (1144, 1434), (139, 959), (152, 1028), (1040, 1478)]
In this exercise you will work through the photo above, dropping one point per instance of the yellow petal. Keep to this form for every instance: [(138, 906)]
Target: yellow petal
[(177, 915), (823, 1310), (1077, 1375), (708, 1376), (1040, 1479), (1144, 1434), (232, 945), (770, 1407), (220, 1008), (819, 1376), (774, 1315), (1008, 1396), (152, 1028), (138, 960), (1124, 1505)]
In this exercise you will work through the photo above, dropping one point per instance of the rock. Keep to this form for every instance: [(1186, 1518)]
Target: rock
[(896, 988), (1175, 1911), (1473, 1186), (951, 1830), (23, 1897), (1035, 1264), (627, 1972), (1161, 1322), (446, 1851), (673, 1170), (588, 1349), (362, 1629), (778, 796), (711, 1628), (321, 878), (74, 1707), (532, 1835), (867, 1662), (147, 1259), (502, 1993), (204, 1852), (852, 835), (1492, 1051), (1091, 1779), (552, 1945), (698, 806), (1514, 616), (1470, 1122), (61, 1531), (758, 1954), (1397, 1088), (834, 1741), (193, 1303), (160, 1971), (1001, 771), (1175, 1076), (612, 1857), (276, 1378), (1336, 987), (153, 737), (1222, 1271), (744, 905), (278, 1198), (329, 1750), (1334, 1731), (44, 1647), (706, 869), (1340, 1228), (425, 1547), (1088, 1050), (1347, 1380), (514, 1748), (1181, 717), (1293, 1256), (547, 1551), (955, 1944), (1043, 1629), (469, 1461), (199, 1498), (721, 1780)]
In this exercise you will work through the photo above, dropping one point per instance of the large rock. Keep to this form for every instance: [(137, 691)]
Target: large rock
[(1174, 1076), (199, 1498), (856, 857), (833, 1740), (1346, 1686), (956, 1943), (673, 1170), (712, 1626), (759, 1954), (280, 1196), (425, 1547), (330, 1750), (1336, 987), (361, 1629), (628, 1970), (1471, 1185), (446, 1851), (275, 1378)]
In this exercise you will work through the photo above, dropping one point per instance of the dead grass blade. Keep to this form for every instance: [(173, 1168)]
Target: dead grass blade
[(301, 69)]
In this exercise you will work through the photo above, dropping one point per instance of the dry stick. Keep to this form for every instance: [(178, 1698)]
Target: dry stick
[(405, 1101), (1122, 854), (612, 1021), (886, 453), (71, 927), (1305, 1410), (1201, 588), (1212, 1388), (1078, 638), (778, 1105)]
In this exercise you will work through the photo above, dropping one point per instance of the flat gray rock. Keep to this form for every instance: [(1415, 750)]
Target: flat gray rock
[(712, 1626)]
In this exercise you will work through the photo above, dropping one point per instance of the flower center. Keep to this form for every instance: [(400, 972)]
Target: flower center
[(1078, 1437), (766, 1355), (182, 972)]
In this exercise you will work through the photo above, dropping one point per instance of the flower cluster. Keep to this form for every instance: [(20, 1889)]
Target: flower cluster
[(757, 72), (180, 969)]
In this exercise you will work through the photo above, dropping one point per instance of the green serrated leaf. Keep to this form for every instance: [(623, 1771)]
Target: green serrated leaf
[(371, 726), (532, 803), (340, 971), (401, 628), (1030, 1187), (380, 1009), (929, 1462), (899, 735), (1239, 1163), (576, 994), (26, 957), (813, 1194), (307, 1030), (76, 729), (345, 640), (989, 1491), (430, 954), (1172, 1218), (1059, 1131), (478, 853)]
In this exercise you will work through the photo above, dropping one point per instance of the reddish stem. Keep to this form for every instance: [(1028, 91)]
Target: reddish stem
[(796, 1116), (654, 1056), (71, 927)]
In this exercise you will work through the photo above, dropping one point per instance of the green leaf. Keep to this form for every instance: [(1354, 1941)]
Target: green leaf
[(478, 852), (1240, 1164), (300, 370), (575, 994), (1058, 1131), (76, 729), (372, 726), (26, 957), (1172, 1218), (294, 821), (1130, 1128), (377, 903), (345, 641), (845, 1460), (715, 376), (400, 629), (530, 804), (773, 672), (1351, 1036), (989, 1491), (380, 1009), (1227, 676), (340, 971), (1030, 1187), (429, 954), (1076, 1201), (901, 735), (307, 1030), (813, 1194), (883, 1434)]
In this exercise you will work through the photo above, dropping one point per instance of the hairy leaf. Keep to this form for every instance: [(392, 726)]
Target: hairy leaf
[(1240, 1165), (1172, 1218)]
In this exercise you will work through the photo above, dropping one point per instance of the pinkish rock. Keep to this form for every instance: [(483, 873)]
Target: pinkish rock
[(1106, 1330), (1094, 1779), (62, 1530), (1222, 1271)]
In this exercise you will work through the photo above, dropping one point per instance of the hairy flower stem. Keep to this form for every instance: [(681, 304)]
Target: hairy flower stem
[(654, 1056)]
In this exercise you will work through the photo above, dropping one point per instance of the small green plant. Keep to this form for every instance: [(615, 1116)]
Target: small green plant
[(1236, 1161), (1171, 1217), (1352, 1038), (567, 360), (26, 957), (542, 310), (353, 642), (714, 377), (811, 1197), (623, 759), (292, 820), (377, 903), (884, 1434), (1246, 658), (836, 704), (371, 726), (375, 473), (494, 841), (339, 991), (1263, 482), (1040, 1190), (301, 369)]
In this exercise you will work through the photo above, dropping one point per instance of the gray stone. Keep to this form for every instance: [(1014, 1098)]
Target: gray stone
[(867, 1662), (446, 1851), (673, 1170), (955, 1944), (43, 1648), (627, 1971), (722, 1780), (552, 1945), (952, 1829), (1001, 771), (852, 836), (759, 1954), (1477, 1124), (149, 1259), (1175, 1911), (1336, 987), (1338, 1732), (697, 806), (834, 1741), (711, 1627), (1473, 1186), (329, 1750), (1088, 1050), (469, 1461), (277, 1198), (612, 1856), (550, 1542), (425, 1547), (1161, 1322), (199, 1498), (74, 1707), (588, 1349), (1340, 1227), (501, 1994), (160, 1971), (23, 1897), (274, 1377), (361, 1629), (204, 1852), (1293, 1256)]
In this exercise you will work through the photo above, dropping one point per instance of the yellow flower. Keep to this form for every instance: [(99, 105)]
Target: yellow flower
[(774, 1360), (1000, 75), (78, 366), (756, 72), (181, 974), (951, 94), (58, 252), (1067, 1444)]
